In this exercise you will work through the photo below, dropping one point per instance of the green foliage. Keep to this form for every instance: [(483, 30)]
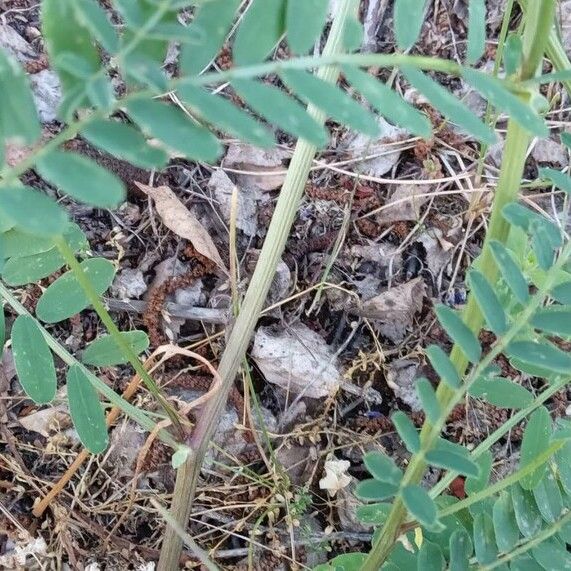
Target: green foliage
[(105, 352)]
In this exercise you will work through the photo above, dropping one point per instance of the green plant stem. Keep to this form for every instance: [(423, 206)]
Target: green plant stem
[(511, 172), (554, 528), (95, 300), (499, 432), (115, 399), (274, 245)]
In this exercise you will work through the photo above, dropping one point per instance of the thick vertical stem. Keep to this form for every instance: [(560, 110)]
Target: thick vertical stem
[(538, 24), (274, 245)]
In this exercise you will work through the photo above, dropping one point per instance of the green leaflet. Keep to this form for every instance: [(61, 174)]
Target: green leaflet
[(495, 92), (430, 557), (2, 330), (175, 129), (91, 16), (563, 462), (529, 221), (345, 562), (535, 441), (504, 393), (331, 100), (16, 244), (510, 271), (505, 525), (484, 539), (374, 491), (388, 103), (541, 354), (512, 54), (104, 351), (33, 360), (279, 109), (60, 29), (408, 16), (420, 505), (125, 142), (548, 497), (527, 516), (554, 319), (65, 297), (450, 461), (407, 431), (443, 366), (261, 29), (488, 302), (453, 109), (374, 513), (32, 212), (562, 293), (428, 399), (212, 22), (82, 179), (476, 30), (305, 20), (552, 555), (558, 179), (18, 117), (459, 332), (225, 116), (382, 468), (86, 411), (460, 547), (476, 484)]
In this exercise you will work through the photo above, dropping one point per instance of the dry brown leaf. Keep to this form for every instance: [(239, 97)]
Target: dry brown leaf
[(44, 421), (404, 204), (178, 218)]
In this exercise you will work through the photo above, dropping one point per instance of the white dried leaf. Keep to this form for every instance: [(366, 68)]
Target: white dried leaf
[(298, 360), (336, 477), (401, 378), (394, 309), (180, 220), (128, 284), (548, 151), (44, 421), (46, 89)]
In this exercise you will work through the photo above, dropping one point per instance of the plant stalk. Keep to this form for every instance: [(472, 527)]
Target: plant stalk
[(536, 34), (252, 305)]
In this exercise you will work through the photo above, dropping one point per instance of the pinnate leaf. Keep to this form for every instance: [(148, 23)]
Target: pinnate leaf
[(33, 360), (82, 179), (528, 518), (86, 410), (548, 497), (373, 490), (541, 354), (65, 297), (505, 524), (105, 352), (459, 332), (430, 557), (455, 462), (93, 17), (555, 319), (484, 539), (500, 392), (460, 546)]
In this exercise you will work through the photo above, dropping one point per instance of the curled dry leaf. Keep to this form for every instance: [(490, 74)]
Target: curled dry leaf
[(178, 218), (45, 421), (401, 378), (394, 309)]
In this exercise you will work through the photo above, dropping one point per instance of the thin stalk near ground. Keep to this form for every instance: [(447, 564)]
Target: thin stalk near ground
[(252, 305)]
